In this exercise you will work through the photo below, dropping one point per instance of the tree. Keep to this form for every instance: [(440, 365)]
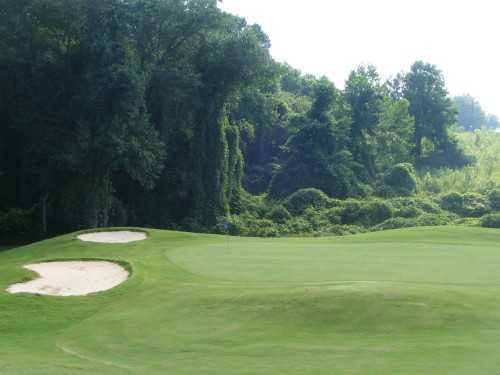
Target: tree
[(470, 114), (425, 90), (492, 122), (393, 135), (364, 95), (317, 156)]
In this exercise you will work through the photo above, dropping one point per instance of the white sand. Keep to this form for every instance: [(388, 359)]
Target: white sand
[(113, 237), (72, 278)]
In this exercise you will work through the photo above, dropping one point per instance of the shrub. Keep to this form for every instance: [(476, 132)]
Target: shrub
[(255, 205), (302, 199), (491, 221), (471, 221), (467, 205), (401, 181), (376, 212), (413, 206), (494, 199), (16, 222), (395, 223), (299, 225), (408, 212), (332, 215), (428, 220), (352, 212), (315, 218), (279, 215), (344, 230)]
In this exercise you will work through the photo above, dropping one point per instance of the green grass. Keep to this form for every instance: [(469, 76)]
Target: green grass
[(3, 248), (416, 301)]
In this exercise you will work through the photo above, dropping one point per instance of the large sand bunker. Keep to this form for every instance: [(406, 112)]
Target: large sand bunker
[(113, 237), (75, 278)]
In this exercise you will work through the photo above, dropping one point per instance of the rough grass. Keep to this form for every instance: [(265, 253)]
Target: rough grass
[(416, 301)]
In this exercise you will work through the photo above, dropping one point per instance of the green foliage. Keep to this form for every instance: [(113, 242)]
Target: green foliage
[(365, 213), (378, 211), (426, 220), (302, 199), (400, 180), (279, 215), (172, 114), (363, 94), (425, 90), (494, 199), (491, 221), (481, 176), (352, 212), (395, 223), (16, 222), (393, 135), (470, 113), (467, 205)]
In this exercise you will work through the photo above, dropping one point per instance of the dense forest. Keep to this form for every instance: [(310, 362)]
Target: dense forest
[(172, 114)]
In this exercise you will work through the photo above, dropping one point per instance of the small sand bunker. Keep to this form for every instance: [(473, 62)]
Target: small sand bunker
[(75, 278), (113, 237)]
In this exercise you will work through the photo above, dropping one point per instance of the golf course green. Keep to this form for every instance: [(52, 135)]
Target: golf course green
[(413, 301)]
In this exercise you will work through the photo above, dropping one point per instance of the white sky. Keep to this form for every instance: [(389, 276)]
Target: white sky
[(332, 37)]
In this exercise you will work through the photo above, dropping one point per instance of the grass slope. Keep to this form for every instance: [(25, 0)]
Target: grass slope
[(416, 301)]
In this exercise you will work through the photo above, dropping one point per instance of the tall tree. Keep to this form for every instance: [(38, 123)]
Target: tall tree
[(363, 93), (424, 88), (470, 113), (317, 156)]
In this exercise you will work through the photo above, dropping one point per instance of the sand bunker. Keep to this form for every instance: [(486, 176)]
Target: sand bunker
[(75, 278), (113, 237)]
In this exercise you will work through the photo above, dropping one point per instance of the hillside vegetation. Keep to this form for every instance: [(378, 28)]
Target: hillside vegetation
[(172, 114)]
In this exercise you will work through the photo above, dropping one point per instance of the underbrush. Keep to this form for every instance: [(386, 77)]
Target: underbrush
[(309, 212)]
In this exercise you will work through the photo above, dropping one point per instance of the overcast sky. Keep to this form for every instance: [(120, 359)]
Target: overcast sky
[(331, 37)]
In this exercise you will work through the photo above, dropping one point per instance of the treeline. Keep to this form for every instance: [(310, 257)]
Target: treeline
[(471, 115), (172, 114)]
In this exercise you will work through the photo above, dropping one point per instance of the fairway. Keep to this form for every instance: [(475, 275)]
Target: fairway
[(413, 301)]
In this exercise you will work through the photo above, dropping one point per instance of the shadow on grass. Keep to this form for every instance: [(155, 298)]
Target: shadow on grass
[(7, 247)]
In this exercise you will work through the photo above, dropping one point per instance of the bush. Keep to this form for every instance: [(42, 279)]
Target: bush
[(344, 230), (299, 225), (316, 218), (333, 215), (365, 213), (279, 215), (408, 212), (377, 211), (491, 221), (400, 181), (413, 206), (471, 221), (395, 223), (466, 205), (352, 212), (428, 220), (254, 205), (16, 222), (494, 199), (302, 199)]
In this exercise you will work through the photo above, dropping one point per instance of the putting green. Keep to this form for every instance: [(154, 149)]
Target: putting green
[(416, 301)]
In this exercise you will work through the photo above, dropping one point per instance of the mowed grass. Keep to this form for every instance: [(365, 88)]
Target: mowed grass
[(415, 301)]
